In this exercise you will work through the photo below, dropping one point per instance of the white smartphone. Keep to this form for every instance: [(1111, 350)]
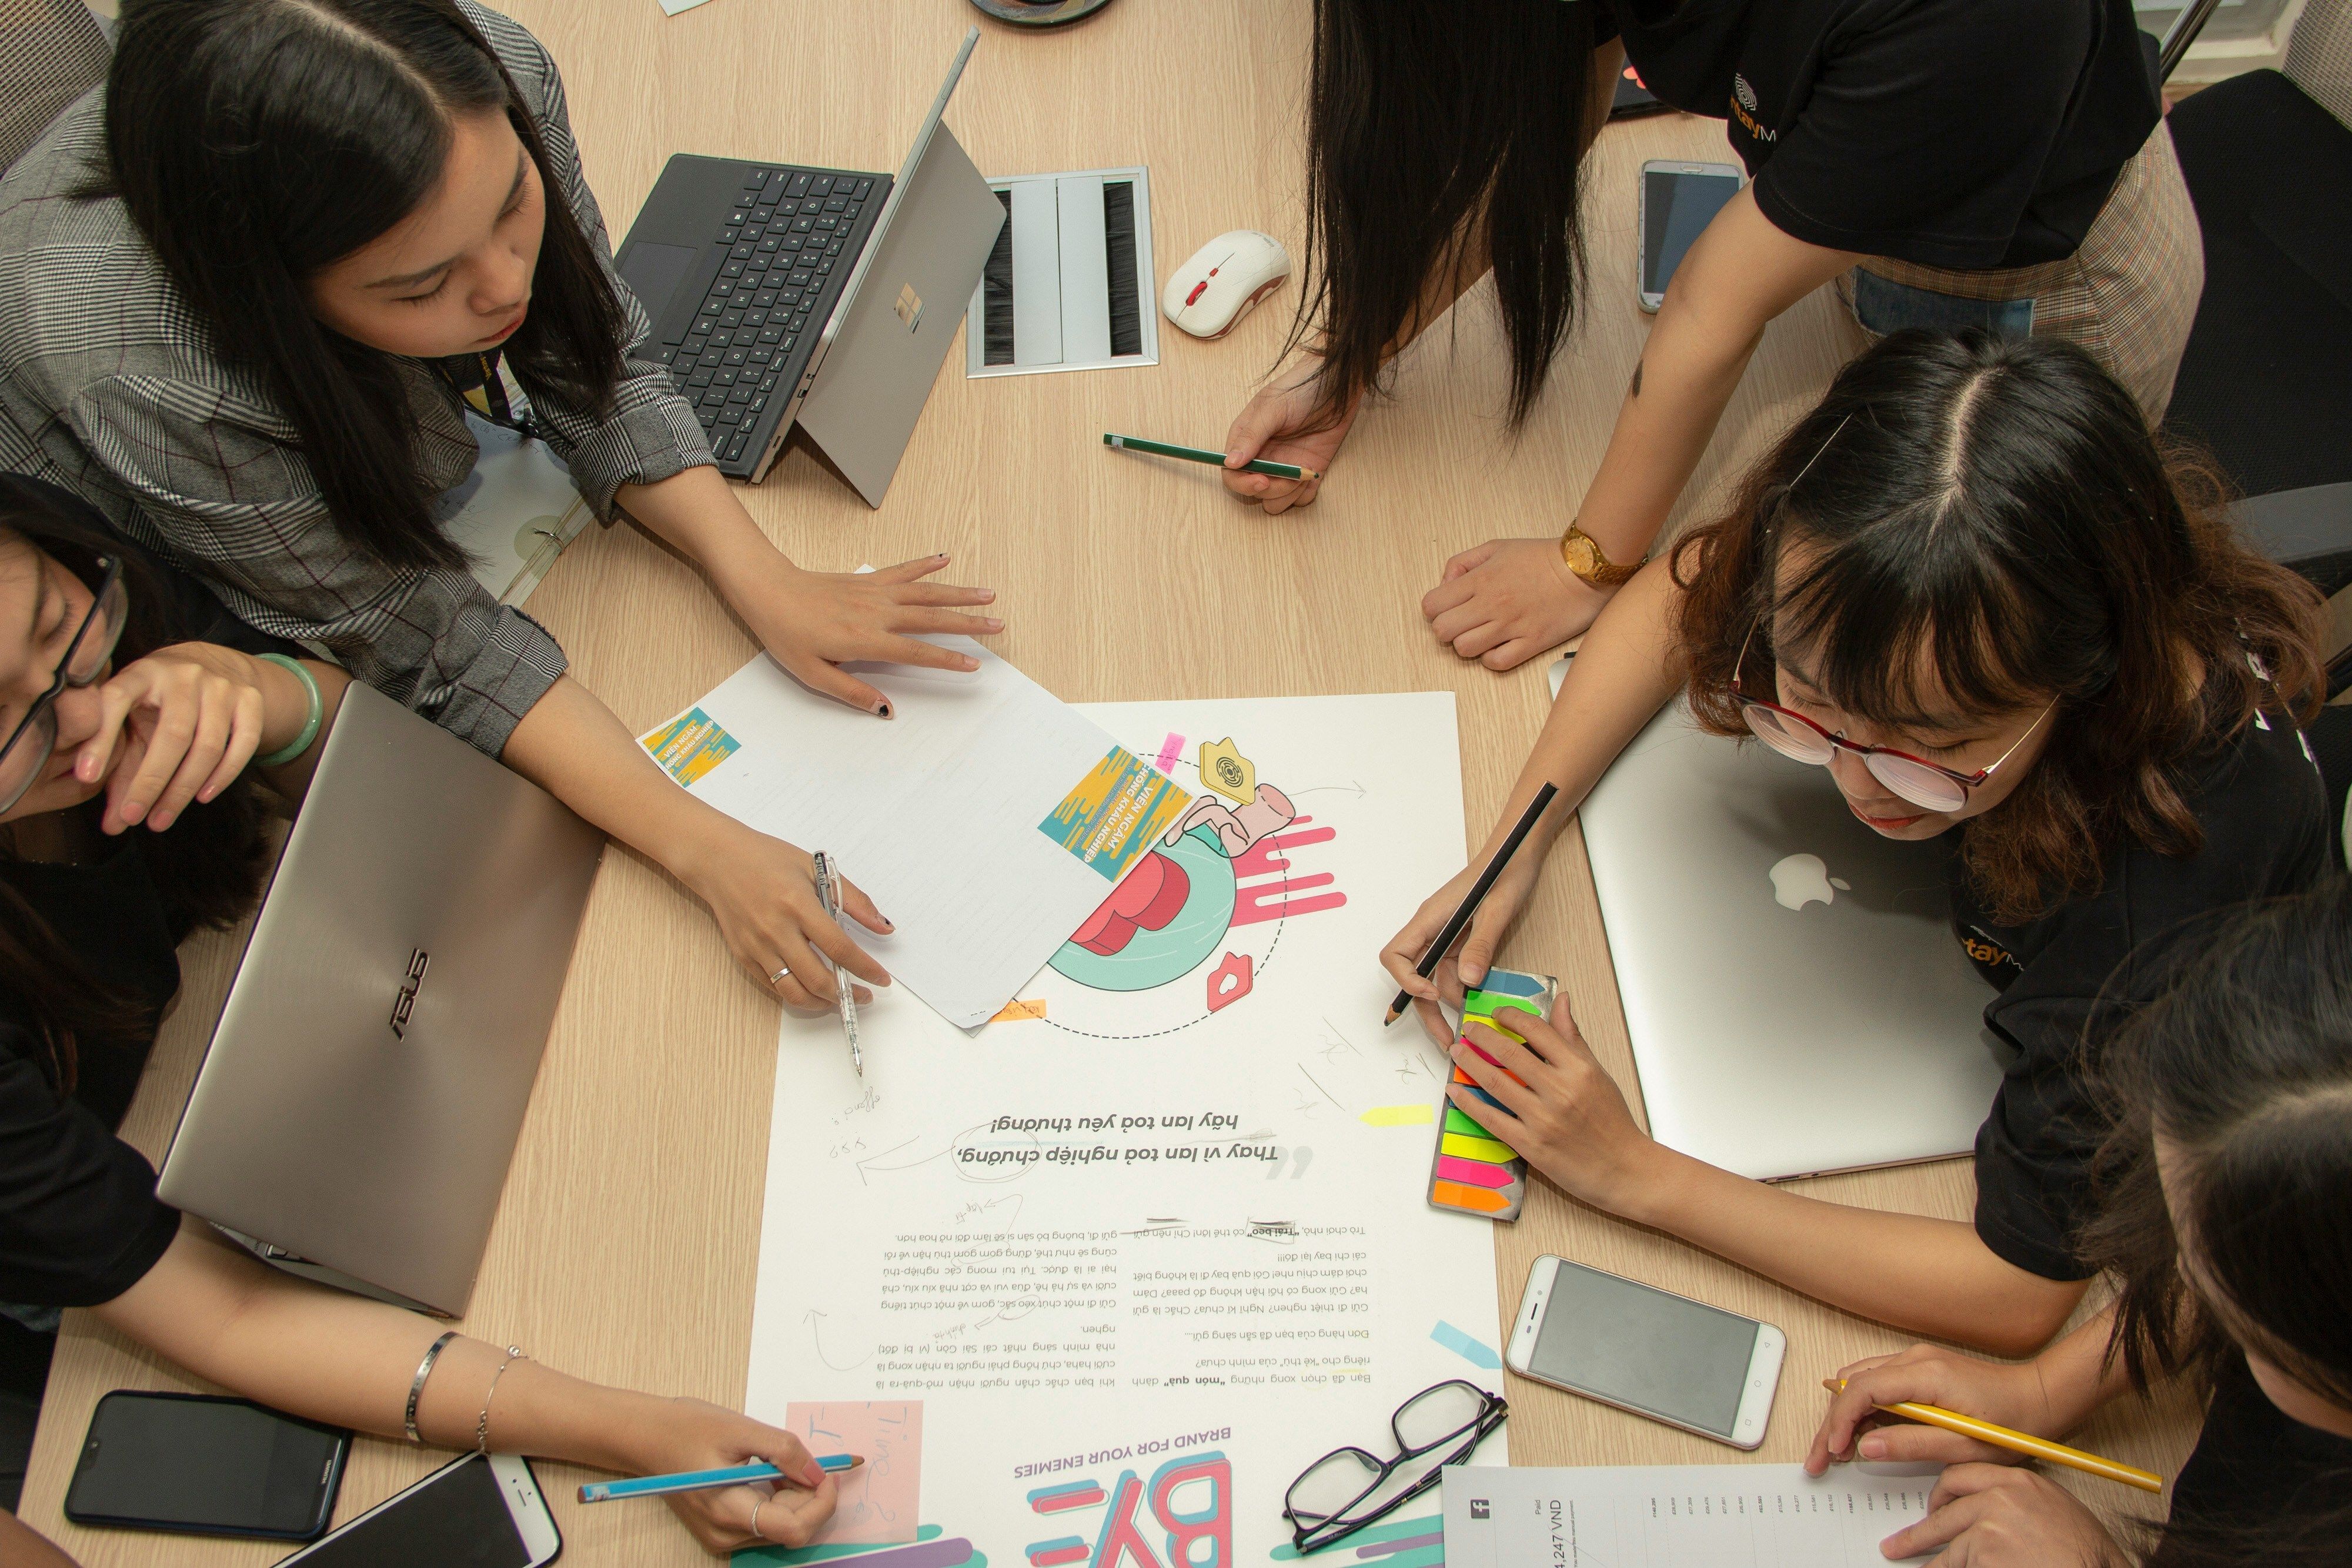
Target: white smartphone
[(486, 1513), (1678, 201), (1647, 1351)]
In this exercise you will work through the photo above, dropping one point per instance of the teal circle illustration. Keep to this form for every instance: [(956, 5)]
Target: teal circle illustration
[(1155, 957)]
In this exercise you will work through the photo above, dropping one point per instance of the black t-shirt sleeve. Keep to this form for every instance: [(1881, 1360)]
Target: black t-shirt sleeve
[(2035, 1151), (79, 1221), (1927, 140)]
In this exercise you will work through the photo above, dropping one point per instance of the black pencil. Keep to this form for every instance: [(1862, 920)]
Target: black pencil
[(1460, 921)]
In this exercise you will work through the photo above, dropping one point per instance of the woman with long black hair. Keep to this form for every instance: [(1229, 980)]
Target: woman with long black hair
[(254, 286), (130, 745), (1970, 585), (1999, 163), (2229, 1176)]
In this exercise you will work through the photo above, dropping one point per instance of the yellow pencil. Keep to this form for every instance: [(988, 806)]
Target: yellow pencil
[(2015, 1442)]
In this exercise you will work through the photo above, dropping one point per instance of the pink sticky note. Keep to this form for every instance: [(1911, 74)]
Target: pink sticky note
[(880, 1500)]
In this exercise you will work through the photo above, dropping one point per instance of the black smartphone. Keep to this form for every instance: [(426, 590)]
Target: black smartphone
[(204, 1464)]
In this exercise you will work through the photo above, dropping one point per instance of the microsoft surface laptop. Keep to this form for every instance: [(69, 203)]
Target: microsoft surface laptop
[(356, 1112), (825, 298), (1795, 995)]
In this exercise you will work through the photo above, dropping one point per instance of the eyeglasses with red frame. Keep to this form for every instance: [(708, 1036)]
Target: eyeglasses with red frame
[(1928, 785)]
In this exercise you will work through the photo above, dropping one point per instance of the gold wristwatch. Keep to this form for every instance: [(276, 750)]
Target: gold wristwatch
[(1590, 562)]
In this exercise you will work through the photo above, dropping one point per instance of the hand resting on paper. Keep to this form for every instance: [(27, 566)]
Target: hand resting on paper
[(2012, 1395), (1475, 953), (815, 621), (690, 1434), (1997, 1516), (762, 892), (1561, 1111)]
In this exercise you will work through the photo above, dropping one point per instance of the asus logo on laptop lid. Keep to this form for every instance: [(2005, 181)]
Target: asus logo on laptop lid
[(419, 960)]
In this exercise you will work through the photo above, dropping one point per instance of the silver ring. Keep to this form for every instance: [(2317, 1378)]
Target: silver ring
[(778, 977), (755, 1518)]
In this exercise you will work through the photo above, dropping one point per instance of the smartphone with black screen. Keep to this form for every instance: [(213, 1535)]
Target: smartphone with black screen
[(1678, 201), (204, 1464), (482, 1513)]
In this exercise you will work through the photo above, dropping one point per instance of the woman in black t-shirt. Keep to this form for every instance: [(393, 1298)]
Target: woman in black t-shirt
[(1969, 583), (1969, 162), (2229, 1177), (126, 817)]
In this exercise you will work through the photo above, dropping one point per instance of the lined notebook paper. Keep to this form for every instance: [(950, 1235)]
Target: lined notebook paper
[(1678, 1516)]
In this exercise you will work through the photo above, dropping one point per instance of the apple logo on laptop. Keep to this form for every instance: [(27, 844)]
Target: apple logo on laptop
[(1799, 880)]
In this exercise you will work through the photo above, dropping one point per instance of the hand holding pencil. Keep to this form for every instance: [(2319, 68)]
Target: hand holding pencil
[(1934, 1406)]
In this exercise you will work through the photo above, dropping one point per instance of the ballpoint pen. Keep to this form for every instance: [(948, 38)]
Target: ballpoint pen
[(828, 888)]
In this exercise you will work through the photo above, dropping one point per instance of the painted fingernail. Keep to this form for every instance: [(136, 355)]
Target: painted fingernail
[(882, 710)]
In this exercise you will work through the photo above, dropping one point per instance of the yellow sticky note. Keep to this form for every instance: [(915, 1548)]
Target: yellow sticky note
[(1021, 1008)]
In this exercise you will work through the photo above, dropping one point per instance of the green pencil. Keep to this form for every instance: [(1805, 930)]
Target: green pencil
[(1215, 459)]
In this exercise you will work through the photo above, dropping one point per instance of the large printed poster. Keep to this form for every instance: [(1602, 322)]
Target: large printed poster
[(1156, 1238)]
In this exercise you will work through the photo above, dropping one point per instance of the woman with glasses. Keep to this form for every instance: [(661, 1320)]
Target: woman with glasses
[(256, 287), (1970, 585), (128, 816)]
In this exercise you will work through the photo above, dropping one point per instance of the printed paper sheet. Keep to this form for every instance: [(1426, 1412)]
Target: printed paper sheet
[(1157, 1239)]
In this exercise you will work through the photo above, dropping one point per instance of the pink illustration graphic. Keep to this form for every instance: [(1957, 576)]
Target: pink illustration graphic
[(1230, 981), (1149, 899), (1180, 1518)]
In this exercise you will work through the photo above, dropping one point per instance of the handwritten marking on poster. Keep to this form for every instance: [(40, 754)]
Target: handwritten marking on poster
[(690, 746), (1115, 814)]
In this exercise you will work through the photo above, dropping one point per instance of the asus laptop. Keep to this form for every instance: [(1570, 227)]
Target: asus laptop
[(826, 298), (355, 1113), (1796, 997)]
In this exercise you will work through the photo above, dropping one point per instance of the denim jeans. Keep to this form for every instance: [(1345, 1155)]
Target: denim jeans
[(1883, 305)]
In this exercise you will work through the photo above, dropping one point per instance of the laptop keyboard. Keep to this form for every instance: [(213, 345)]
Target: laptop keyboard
[(789, 252)]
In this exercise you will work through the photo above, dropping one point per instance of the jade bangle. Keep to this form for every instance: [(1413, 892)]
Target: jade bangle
[(301, 742)]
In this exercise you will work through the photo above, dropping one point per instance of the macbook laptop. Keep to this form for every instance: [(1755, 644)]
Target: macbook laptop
[(355, 1113), (1795, 995), (785, 295)]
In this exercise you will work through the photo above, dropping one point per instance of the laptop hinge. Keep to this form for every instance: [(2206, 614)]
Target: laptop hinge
[(277, 1258)]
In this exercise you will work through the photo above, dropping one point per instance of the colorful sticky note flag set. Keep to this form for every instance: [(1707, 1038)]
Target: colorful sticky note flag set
[(1471, 1171)]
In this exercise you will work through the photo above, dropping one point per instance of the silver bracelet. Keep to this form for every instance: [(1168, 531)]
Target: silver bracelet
[(482, 1424), (417, 1386)]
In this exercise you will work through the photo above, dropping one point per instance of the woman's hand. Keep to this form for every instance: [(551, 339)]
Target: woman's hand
[(2008, 1396), (172, 727), (1995, 1516), (1504, 601), (1287, 422), (815, 621), (762, 892), (1561, 1111), (1474, 952), (688, 1434)]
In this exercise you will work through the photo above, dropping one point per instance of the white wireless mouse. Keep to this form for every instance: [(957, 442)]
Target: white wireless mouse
[(1223, 280)]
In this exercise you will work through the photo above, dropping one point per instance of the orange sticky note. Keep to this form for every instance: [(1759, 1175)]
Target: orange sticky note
[(881, 1501)]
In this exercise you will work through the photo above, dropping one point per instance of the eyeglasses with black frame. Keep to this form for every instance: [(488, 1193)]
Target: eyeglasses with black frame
[(29, 745), (1348, 1488)]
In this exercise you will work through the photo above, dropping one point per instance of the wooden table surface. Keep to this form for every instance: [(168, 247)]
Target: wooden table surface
[(626, 1245)]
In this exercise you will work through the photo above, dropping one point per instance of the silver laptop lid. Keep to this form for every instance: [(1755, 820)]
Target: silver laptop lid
[(1796, 999), (881, 351), (360, 1097)]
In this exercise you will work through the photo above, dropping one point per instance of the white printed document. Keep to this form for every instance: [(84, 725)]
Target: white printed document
[(1679, 1516), (1158, 1238), (985, 819)]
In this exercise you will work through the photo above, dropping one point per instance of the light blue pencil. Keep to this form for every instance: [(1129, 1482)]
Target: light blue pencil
[(702, 1480)]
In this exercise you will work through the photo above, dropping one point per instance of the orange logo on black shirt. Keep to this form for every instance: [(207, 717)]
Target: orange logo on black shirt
[(1744, 109), (1986, 951)]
